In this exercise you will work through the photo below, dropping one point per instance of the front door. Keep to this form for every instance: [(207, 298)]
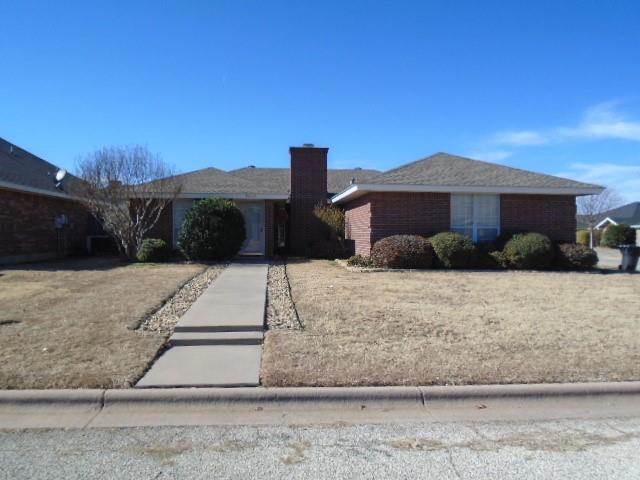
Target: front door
[(253, 213)]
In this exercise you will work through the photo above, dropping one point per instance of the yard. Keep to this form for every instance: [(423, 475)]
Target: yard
[(64, 324), (455, 327)]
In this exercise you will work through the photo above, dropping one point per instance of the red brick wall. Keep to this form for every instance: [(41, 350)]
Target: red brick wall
[(419, 213), (358, 224), (378, 215), (308, 188), (164, 228), (27, 225), (552, 215)]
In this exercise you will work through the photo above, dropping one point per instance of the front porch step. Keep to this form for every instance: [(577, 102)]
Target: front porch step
[(216, 338), (218, 329)]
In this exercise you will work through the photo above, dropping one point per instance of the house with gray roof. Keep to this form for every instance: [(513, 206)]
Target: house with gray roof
[(39, 217), (438, 193), (628, 214)]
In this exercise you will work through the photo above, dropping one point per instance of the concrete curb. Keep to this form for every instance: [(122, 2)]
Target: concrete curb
[(304, 395)]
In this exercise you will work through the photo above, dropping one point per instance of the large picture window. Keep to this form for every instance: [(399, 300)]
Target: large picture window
[(477, 216)]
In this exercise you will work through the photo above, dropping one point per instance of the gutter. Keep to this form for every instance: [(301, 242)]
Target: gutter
[(34, 190), (355, 191), (259, 405)]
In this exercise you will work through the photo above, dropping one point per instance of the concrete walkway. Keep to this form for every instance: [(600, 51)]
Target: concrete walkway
[(218, 342)]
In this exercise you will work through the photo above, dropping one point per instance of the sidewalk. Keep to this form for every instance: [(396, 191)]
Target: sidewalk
[(218, 342)]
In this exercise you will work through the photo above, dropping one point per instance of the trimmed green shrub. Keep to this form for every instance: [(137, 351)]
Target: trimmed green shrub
[(576, 256), (153, 250), (402, 251), (453, 249), (615, 235), (529, 250), (213, 229), (583, 237), (359, 261)]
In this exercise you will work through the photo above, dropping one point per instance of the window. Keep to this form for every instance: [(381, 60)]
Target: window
[(180, 208), (477, 216)]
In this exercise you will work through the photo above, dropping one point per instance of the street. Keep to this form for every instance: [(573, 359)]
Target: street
[(582, 449)]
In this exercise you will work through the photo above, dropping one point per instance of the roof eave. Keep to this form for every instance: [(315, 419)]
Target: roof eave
[(34, 190), (355, 191), (234, 195)]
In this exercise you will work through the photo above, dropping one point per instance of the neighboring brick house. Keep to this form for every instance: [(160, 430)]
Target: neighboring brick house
[(439, 193), (39, 218)]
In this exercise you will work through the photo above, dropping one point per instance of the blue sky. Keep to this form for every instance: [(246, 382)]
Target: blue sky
[(549, 86)]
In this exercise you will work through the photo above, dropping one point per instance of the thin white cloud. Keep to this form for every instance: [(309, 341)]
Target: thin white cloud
[(625, 179), (520, 138), (599, 122)]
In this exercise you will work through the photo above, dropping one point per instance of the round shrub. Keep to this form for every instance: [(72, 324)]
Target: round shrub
[(576, 256), (402, 251), (153, 250), (213, 229), (529, 250), (615, 235), (453, 250)]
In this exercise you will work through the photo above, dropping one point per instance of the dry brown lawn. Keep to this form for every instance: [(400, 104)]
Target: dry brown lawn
[(64, 324), (455, 327)]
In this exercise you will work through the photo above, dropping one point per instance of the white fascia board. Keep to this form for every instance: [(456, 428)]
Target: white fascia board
[(348, 193), (234, 196), (356, 191), (35, 191), (601, 224)]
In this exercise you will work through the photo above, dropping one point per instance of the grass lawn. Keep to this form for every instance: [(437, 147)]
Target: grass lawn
[(64, 324), (454, 327)]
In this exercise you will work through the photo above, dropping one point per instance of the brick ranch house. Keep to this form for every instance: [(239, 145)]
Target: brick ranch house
[(39, 217), (439, 193)]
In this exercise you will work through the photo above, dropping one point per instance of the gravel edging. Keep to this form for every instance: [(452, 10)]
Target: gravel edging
[(281, 312), (164, 319)]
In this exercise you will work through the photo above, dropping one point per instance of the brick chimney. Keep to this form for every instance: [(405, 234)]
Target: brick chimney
[(308, 188)]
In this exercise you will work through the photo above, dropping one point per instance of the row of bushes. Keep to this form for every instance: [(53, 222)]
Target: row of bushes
[(612, 236), (453, 250)]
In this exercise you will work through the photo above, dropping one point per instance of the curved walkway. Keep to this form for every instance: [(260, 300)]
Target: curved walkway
[(218, 342)]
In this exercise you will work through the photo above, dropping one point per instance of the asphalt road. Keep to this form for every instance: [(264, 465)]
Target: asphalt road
[(580, 449)]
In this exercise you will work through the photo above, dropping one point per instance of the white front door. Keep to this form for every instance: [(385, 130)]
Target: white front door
[(253, 213)]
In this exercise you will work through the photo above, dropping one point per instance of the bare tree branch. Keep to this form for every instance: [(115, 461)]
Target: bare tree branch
[(126, 189), (591, 208)]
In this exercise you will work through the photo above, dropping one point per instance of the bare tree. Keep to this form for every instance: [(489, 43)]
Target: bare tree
[(126, 188), (591, 208)]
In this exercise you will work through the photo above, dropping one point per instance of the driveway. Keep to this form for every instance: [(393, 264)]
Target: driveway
[(610, 258)]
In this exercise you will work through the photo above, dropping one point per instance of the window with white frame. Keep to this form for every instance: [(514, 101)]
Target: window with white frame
[(477, 216)]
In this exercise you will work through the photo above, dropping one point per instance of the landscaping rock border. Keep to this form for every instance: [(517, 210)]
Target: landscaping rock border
[(281, 311), (164, 319)]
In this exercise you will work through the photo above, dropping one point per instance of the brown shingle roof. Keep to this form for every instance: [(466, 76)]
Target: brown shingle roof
[(278, 180), (443, 169)]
